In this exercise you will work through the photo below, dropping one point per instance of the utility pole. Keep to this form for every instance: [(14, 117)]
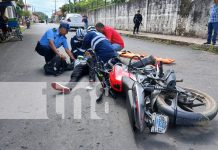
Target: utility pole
[(25, 6), (70, 6), (55, 6)]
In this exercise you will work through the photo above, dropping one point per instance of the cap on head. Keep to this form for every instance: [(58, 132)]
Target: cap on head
[(80, 34), (65, 25)]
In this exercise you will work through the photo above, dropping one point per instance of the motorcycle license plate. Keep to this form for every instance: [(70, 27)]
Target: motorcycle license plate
[(160, 123)]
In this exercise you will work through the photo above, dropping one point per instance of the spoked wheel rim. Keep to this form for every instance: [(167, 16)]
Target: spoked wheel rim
[(203, 108), (191, 101)]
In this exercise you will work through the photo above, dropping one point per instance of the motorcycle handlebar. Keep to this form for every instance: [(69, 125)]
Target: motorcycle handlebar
[(152, 88)]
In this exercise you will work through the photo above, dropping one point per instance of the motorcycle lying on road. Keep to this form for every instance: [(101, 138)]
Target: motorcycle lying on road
[(153, 98)]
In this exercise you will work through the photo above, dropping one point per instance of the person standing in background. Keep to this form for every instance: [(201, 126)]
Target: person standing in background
[(85, 20), (213, 24), (137, 21)]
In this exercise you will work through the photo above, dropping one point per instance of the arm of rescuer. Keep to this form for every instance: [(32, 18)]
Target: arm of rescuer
[(54, 49)]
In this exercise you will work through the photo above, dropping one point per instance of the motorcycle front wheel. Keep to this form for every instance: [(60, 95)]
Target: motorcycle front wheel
[(191, 107)]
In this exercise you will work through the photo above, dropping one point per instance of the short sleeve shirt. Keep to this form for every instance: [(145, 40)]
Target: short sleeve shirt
[(53, 34), (213, 13)]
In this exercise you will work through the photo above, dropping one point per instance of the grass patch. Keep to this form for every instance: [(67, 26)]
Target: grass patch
[(209, 48), (22, 28)]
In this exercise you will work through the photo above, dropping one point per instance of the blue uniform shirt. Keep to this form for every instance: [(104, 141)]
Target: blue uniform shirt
[(100, 45), (213, 13), (53, 34)]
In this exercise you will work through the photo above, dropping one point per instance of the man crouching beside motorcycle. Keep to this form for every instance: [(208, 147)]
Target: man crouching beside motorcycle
[(84, 64)]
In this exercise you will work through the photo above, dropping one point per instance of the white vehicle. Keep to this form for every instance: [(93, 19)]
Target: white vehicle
[(74, 20)]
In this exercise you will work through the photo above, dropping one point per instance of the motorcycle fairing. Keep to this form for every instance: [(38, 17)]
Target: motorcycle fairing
[(116, 77)]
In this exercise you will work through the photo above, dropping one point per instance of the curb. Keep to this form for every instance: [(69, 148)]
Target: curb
[(209, 48)]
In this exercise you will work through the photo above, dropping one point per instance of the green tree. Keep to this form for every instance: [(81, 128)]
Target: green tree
[(23, 13), (85, 5), (42, 16), (20, 4)]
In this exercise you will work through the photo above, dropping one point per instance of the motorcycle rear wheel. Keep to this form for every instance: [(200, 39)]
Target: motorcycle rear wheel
[(187, 113)]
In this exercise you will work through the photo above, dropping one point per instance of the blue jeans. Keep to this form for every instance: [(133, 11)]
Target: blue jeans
[(212, 29), (117, 47)]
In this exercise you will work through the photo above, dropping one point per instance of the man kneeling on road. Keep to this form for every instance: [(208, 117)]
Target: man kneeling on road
[(52, 40), (104, 51), (112, 35), (76, 43)]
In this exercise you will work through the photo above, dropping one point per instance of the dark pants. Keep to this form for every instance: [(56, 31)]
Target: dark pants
[(81, 70), (136, 27), (45, 51), (212, 29)]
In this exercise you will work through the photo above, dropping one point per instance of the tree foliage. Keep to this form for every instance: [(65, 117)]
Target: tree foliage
[(20, 4), (42, 16), (85, 5)]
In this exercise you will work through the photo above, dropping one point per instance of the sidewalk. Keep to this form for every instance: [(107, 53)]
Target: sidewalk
[(195, 43)]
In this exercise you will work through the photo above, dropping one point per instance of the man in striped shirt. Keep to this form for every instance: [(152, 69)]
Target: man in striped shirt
[(213, 24), (102, 47)]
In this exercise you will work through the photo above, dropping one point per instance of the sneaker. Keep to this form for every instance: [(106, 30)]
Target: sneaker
[(214, 44), (63, 89)]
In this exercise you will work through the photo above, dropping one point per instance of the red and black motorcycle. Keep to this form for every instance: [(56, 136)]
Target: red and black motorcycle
[(152, 96)]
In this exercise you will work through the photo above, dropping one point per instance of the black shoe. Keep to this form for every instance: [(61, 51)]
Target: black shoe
[(133, 32), (207, 43), (214, 44)]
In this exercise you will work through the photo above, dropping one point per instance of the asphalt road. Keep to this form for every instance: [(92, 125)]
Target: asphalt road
[(34, 117)]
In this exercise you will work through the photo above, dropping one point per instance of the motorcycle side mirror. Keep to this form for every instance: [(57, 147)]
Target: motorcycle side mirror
[(170, 79)]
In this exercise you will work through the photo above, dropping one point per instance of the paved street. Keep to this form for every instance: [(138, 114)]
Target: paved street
[(28, 105)]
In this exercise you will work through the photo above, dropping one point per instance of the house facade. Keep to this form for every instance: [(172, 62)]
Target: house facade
[(10, 12)]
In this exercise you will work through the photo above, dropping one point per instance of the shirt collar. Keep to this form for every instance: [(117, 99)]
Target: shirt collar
[(57, 33)]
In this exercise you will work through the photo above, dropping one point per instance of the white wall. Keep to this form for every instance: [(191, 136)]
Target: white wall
[(176, 17)]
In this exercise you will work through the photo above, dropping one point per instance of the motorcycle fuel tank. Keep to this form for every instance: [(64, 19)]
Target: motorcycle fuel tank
[(116, 76)]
